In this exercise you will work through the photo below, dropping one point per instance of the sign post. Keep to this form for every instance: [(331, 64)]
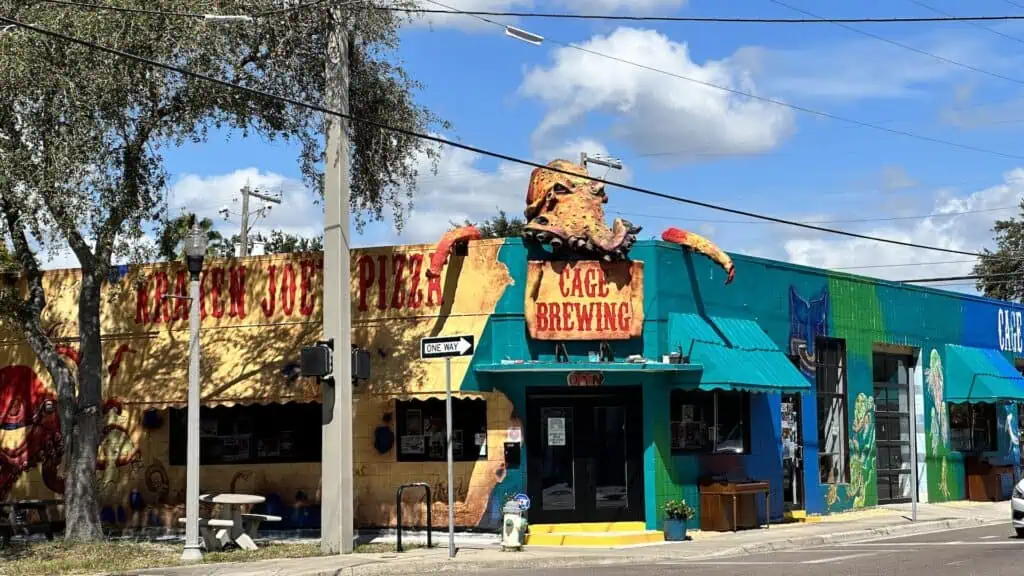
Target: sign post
[(448, 347)]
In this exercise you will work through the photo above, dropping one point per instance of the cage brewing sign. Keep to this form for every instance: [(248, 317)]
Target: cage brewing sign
[(586, 300)]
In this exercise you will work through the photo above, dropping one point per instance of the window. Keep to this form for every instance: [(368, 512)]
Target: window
[(422, 430), (714, 422), (830, 382), (972, 427), (275, 433)]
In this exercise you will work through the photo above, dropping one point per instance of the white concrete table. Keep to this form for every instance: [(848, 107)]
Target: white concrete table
[(234, 526)]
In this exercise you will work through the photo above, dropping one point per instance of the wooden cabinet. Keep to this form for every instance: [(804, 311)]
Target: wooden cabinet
[(726, 505)]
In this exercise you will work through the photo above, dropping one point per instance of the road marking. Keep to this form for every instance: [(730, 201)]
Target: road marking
[(838, 558), (988, 537), (927, 544)]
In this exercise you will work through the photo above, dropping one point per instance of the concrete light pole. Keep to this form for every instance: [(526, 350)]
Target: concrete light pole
[(195, 251), (336, 505)]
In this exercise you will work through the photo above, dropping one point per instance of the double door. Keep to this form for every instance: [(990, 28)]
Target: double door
[(585, 456)]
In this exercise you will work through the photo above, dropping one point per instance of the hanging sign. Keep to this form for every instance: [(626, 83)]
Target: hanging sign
[(556, 431), (585, 379), (585, 300)]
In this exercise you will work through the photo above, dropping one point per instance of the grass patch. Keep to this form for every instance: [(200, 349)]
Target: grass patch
[(39, 558), (384, 548)]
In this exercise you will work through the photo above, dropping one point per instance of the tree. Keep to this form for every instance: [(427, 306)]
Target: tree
[(1001, 273), (282, 243), (171, 234), (83, 136), (500, 226)]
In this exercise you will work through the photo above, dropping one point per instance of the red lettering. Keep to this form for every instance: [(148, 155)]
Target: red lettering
[(217, 275), (591, 282), (288, 289), (556, 315), (365, 279), (398, 281), (236, 291), (542, 316), (561, 281), (202, 296), (609, 315), (269, 302), (586, 317), (142, 301), (567, 310), (434, 296), (415, 269), (602, 285), (577, 284), (181, 305), (161, 307), (624, 316), (382, 282), (308, 297)]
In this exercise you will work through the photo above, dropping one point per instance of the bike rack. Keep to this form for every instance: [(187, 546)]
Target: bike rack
[(398, 507)]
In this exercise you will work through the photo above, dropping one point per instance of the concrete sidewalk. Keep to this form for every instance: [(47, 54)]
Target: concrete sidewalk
[(885, 521)]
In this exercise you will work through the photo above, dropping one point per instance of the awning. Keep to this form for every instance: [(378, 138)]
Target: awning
[(980, 375), (624, 367), (736, 354)]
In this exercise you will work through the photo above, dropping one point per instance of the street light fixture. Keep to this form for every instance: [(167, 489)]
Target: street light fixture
[(195, 253), (520, 34), (600, 160)]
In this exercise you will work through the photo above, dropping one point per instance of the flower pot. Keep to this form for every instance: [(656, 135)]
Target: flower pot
[(675, 530)]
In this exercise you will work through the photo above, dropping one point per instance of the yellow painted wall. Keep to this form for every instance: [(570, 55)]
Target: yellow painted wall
[(245, 343)]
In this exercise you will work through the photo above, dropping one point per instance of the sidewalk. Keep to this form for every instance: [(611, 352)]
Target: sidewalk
[(891, 521)]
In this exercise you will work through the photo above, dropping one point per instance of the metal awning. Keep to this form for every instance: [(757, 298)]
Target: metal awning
[(980, 375)]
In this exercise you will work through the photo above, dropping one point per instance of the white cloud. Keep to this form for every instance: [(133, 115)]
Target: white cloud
[(862, 68), (654, 112), (206, 195), (968, 229)]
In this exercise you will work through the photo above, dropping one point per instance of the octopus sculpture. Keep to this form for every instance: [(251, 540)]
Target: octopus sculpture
[(565, 210)]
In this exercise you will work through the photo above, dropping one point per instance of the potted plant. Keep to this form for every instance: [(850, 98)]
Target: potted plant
[(677, 512)]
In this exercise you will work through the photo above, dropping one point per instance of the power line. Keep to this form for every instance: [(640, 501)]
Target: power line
[(849, 221), (576, 16), (971, 22), (481, 151), (752, 96), (967, 277), (904, 46)]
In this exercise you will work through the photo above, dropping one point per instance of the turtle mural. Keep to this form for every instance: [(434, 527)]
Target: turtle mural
[(565, 210)]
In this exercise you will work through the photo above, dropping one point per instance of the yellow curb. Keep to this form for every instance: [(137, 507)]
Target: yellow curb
[(602, 539), (587, 527)]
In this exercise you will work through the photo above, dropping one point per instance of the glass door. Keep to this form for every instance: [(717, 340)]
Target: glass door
[(585, 457)]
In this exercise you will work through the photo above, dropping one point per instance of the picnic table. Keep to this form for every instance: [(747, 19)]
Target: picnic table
[(15, 512), (233, 526)]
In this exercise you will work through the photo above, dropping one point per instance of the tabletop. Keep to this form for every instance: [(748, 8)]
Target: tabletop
[(235, 499)]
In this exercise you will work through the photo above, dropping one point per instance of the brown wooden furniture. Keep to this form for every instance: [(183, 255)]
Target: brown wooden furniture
[(984, 481), (726, 505)]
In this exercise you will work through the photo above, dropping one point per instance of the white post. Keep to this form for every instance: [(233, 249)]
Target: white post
[(451, 463), (337, 519), (911, 399), (192, 553)]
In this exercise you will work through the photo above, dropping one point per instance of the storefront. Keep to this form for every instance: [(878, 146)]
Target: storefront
[(598, 390)]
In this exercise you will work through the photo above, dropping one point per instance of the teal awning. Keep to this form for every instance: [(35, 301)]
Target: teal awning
[(980, 375), (736, 354), (626, 367)]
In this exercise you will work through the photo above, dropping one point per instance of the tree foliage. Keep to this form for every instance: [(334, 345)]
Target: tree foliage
[(284, 243), (1002, 271), (499, 226), (83, 136), (171, 234)]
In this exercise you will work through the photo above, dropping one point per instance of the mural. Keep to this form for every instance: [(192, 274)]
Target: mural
[(808, 319), (937, 434), (862, 450)]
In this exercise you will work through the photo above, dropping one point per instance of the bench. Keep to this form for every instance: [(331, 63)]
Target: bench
[(216, 532), (251, 522)]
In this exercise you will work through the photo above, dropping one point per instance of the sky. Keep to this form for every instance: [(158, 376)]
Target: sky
[(639, 92)]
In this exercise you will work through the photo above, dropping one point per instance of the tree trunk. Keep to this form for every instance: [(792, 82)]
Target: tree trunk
[(82, 441)]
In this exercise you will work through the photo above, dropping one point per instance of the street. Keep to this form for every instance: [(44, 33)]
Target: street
[(988, 550)]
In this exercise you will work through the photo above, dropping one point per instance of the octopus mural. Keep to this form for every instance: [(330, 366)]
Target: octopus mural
[(565, 210), (939, 429), (30, 431)]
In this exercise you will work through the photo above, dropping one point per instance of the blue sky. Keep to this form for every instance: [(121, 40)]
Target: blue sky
[(675, 136)]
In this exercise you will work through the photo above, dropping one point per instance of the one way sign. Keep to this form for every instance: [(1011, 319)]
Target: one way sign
[(446, 346)]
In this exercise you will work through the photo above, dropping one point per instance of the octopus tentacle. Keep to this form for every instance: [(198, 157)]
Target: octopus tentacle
[(701, 244), (449, 240)]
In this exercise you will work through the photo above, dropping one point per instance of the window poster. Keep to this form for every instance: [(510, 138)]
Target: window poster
[(556, 431), (413, 421)]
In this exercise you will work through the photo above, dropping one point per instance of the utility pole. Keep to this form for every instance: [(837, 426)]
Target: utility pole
[(244, 236), (336, 504)]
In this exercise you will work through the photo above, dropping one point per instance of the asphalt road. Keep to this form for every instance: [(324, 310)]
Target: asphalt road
[(988, 551)]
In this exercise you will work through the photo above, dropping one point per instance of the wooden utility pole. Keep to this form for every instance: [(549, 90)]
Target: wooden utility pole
[(243, 238)]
